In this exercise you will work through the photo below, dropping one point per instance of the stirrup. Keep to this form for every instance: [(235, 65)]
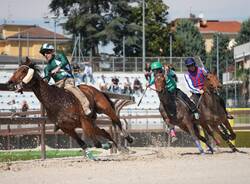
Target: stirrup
[(229, 116), (196, 116)]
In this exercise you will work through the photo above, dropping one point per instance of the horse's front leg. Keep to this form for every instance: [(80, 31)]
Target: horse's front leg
[(232, 135), (74, 135), (190, 127), (225, 138)]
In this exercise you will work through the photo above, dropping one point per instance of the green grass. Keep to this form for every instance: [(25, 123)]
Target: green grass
[(8, 156)]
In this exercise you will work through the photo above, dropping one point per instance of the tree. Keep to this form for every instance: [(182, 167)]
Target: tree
[(225, 54), (104, 21), (86, 17), (244, 34), (187, 40), (120, 26), (156, 27)]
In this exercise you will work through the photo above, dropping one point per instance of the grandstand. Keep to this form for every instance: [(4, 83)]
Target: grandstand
[(148, 106)]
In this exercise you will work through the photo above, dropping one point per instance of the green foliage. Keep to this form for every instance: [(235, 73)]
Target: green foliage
[(157, 29), (244, 34), (187, 40), (225, 54), (109, 21), (87, 17)]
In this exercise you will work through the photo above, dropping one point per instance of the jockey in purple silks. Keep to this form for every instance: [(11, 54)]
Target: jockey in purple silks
[(195, 78)]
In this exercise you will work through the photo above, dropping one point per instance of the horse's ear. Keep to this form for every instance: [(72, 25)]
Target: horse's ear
[(214, 71), (27, 62)]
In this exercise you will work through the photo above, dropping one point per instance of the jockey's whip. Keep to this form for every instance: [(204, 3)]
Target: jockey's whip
[(142, 96)]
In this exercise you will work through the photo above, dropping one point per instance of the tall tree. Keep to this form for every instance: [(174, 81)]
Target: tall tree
[(121, 28), (225, 54), (85, 17), (188, 40), (156, 26), (244, 34)]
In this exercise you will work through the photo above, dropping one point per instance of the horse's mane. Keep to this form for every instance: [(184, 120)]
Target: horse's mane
[(32, 65), (110, 101)]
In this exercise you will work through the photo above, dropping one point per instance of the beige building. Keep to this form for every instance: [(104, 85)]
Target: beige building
[(208, 28), (242, 55), (26, 40)]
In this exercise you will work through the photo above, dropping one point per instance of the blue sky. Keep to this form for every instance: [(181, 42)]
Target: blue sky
[(33, 11)]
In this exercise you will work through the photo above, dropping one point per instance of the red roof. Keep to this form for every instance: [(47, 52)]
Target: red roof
[(221, 26), (38, 33)]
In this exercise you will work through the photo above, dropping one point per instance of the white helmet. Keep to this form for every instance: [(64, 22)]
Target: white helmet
[(46, 47)]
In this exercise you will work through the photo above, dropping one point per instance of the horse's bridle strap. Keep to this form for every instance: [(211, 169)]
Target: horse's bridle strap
[(28, 76)]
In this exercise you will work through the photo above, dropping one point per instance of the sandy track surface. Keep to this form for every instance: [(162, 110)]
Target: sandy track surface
[(146, 165)]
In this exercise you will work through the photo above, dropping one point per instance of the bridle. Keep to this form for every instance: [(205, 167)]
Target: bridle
[(19, 84)]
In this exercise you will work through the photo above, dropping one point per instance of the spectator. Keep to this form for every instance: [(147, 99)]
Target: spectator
[(114, 87), (102, 83), (76, 68), (147, 73), (127, 89), (137, 87), (88, 74), (24, 108), (12, 103)]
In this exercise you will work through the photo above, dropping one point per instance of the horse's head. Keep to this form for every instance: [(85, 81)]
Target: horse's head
[(213, 82), (21, 76), (160, 82)]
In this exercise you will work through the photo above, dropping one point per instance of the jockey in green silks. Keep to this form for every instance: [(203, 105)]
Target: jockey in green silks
[(174, 92), (58, 68)]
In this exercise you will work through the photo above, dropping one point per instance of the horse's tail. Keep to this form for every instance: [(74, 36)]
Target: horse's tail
[(110, 101)]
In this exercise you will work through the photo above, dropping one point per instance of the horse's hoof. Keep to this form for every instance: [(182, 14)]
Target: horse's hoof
[(235, 150), (107, 146), (211, 150), (123, 150), (202, 153), (232, 137), (98, 145), (89, 155), (130, 139)]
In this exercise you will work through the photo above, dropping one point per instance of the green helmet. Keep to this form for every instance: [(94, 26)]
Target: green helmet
[(46, 47), (156, 65)]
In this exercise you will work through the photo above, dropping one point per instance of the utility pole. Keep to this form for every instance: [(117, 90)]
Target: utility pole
[(217, 55), (19, 48), (170, 47), (124, 54), (143, 35)]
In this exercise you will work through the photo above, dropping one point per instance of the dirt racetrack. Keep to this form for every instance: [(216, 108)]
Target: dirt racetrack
[(145, 166)]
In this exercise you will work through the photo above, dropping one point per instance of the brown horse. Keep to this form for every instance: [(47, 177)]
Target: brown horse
[(213, 113), (185, 119), (64, 108)]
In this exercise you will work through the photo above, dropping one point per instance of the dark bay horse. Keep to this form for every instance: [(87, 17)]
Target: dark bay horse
[(64, 108), (185, 119), (213, 113)]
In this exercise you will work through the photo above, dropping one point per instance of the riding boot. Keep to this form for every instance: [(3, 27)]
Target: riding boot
[(189, 103), (229, 116)]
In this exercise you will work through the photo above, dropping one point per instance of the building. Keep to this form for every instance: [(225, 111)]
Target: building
[(208, 28), (26, 40), (242, 55)]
